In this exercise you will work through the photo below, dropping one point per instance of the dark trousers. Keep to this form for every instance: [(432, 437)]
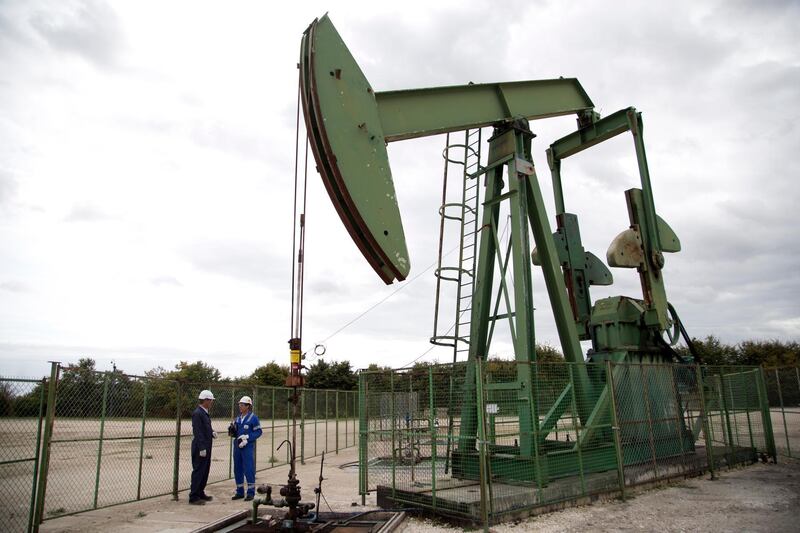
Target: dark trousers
[(200, 469)]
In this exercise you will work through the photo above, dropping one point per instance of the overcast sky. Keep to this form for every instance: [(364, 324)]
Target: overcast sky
[(147, 159)]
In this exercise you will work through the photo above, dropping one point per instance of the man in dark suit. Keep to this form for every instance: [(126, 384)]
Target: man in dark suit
[(201, 448)]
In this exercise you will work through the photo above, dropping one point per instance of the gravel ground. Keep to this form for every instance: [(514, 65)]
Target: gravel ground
[(756, 498)]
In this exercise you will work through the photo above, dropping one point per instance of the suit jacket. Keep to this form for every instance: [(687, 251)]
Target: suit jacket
[(201, 429)]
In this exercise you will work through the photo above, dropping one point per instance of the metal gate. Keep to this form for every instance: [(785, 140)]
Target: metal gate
[(22, 404)]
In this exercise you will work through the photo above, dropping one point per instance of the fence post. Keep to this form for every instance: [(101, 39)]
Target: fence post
[(704, 414), (766, 415), (41, 485), (100, 443), (336, 394), (36, 458), (32, 504), (394, 437), (141, 443), (482, 458), (431, 409), (783, 412), (346, 413), (724, 405), (255, 446), (326, 420), (272, 458), (615, 429), (302, 426), (316, 421), (362, 440), (177, 454), (230, 440)]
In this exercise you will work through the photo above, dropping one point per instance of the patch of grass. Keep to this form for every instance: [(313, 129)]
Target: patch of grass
[(273, 459), (141, 514), (148, 456), (54, 512)]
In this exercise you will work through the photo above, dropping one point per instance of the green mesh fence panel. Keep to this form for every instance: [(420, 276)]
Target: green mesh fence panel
[(783, 393), (22, 404), (116, 437), (548, 442)]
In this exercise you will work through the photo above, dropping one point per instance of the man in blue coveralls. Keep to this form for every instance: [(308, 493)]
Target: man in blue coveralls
[(201, 448), (245, 429)]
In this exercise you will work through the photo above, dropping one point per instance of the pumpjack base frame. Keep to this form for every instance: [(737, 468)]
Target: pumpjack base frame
[(459, 500), (559, 460)]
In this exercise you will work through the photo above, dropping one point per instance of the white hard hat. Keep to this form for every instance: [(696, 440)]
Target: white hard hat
[(247, 400), (205, 395)]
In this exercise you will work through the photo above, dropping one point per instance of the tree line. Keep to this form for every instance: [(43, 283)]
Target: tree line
[(81, 389), (81, 386), (769, 353)]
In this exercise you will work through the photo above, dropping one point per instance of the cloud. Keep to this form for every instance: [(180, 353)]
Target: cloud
[(250, 262), (202, 132), (8, 187), (166, 281), (87, 213), (226, 136), (89, 29), (15, 286)]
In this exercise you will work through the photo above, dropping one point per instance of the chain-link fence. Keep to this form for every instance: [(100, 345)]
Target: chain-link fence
[(489, 442), (783, 392), (21, 408), (108, 438)]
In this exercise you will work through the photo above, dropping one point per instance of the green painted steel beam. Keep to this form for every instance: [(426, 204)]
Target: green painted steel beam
[(595, 133), (349, 124), (421, 112), (556, 411)]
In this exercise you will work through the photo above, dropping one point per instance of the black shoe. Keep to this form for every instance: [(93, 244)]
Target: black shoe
[(206, 498), (237, 496), (249, 498), (197, 502)]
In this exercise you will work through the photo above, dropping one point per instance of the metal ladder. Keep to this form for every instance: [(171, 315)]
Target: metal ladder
[(465, 213)]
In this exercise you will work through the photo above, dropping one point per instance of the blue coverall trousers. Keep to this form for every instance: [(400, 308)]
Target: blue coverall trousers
[(244, 467)]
